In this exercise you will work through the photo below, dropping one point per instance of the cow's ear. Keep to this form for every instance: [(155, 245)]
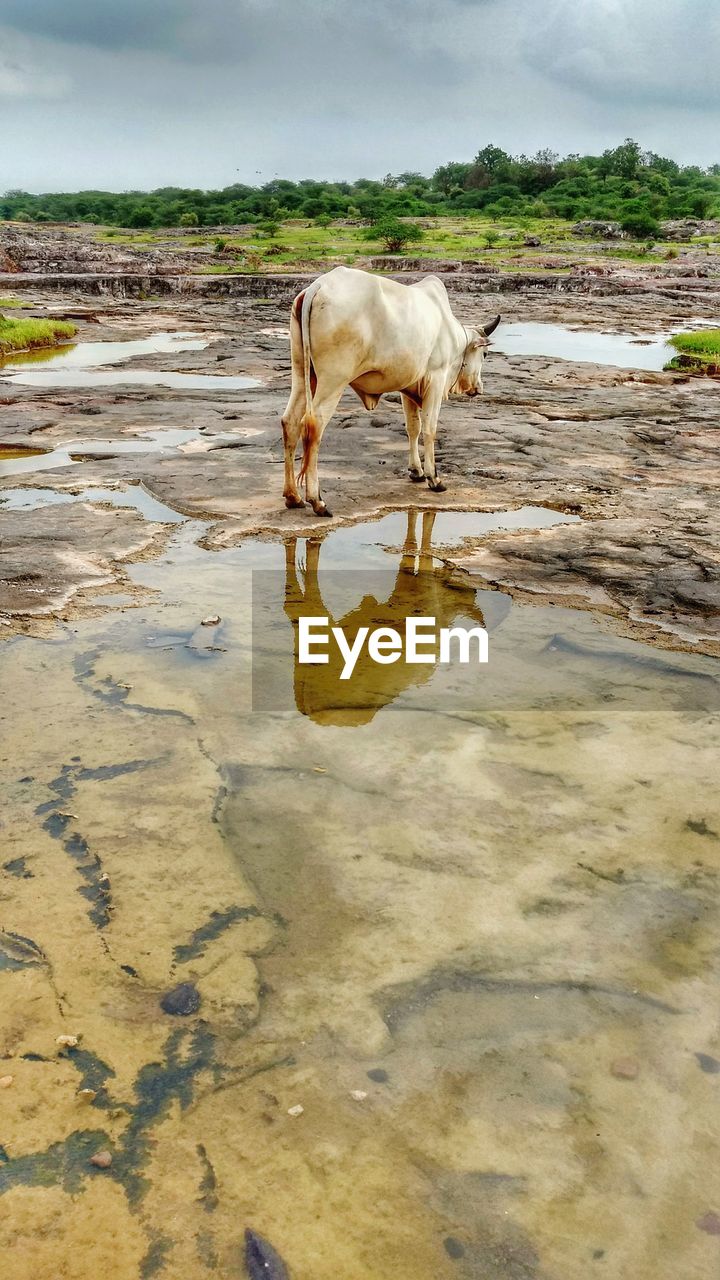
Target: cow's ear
[(477, 341)]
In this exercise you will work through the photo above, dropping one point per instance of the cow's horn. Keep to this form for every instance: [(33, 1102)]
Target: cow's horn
[(491, 326)]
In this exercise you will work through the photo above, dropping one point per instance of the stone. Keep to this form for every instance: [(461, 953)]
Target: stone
[(709, 1222), (67, 1042), (102, 1159), (708, 1064), (262, 1261), (183, 1000), (625, 1068), (594, 228)]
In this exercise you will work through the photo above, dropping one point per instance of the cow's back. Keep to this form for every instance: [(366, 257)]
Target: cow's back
[(371, 320)]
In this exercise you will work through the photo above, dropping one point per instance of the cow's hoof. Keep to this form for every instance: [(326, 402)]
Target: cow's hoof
[(292, 502), (321, 510), (417, 477), (437, 486)]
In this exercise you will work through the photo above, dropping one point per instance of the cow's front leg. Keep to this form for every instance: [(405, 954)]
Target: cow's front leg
[(413, 426), (430, 412)]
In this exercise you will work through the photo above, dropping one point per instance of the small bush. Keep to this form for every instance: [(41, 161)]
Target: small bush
[(641, 226), (220, 245), (189, 219), (394, 234), (141, 216)]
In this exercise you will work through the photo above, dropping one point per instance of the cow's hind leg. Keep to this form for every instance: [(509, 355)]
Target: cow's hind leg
[(325, 403), (291, 421), (413, 425)]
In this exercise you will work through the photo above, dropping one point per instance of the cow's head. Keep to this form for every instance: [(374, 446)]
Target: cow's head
[(469, 379)]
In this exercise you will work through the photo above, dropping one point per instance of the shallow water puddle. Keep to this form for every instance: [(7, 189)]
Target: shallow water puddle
[(625, 351), (20, 461), (132, 377), (87, 355), (76, 365), (134, 496), (441, 950)]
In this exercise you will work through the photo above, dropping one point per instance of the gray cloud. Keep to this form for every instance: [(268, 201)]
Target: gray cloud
[(106, 24), (155, 92), (656, 52)]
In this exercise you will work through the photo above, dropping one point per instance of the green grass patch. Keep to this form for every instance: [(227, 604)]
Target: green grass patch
[(703, 342), (7, 303), (698, 352), (25, 335)]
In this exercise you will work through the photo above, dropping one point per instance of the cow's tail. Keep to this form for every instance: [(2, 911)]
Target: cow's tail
[(308, 422)]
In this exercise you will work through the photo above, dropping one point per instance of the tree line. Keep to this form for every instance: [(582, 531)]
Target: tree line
[(626, 184)]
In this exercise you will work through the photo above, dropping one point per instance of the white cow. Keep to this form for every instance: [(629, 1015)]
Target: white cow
[(374, 335)]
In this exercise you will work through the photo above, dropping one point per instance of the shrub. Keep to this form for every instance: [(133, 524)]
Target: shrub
[(220, 245), (491, 237), (141, 216), (269, 227), (189, 219), (394, 234), (323, 220), (640, 226)]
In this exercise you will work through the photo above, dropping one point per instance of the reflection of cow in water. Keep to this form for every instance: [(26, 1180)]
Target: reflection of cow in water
[(423, 588)]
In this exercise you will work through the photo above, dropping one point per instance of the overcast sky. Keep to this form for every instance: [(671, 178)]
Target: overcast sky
[(122, 94)]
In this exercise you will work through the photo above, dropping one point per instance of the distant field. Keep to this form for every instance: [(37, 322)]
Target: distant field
[(498, 243)]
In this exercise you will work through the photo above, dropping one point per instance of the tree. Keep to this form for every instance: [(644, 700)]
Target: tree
[(492, 158), (449, 176), (626, 159), (394, 234)]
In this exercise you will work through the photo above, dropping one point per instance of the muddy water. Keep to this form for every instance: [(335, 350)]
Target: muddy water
[(471, 934)]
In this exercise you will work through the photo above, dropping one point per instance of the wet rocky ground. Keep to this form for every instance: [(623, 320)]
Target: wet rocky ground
[(633, 452), (423, 985)]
